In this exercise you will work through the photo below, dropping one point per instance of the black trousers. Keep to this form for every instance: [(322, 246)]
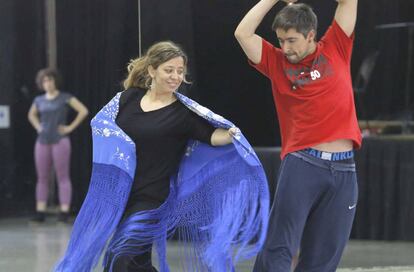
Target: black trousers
[(136, 263)]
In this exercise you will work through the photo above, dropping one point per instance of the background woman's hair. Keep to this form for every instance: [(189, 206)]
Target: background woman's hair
[(51, 73), (156, 55)]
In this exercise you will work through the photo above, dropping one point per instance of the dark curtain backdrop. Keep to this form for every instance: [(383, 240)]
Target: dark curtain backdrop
[(384, 98), (385, 180), (170, 20), (6, 87), (226, 83), (22, 50), (96, 38)]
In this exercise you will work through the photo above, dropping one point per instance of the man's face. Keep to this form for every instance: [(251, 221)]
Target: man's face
[(294, 45)]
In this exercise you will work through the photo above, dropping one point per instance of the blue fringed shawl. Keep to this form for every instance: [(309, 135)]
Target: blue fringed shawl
[(218, 202)]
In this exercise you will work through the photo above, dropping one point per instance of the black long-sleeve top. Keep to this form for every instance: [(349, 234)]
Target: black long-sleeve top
[(160, 137)]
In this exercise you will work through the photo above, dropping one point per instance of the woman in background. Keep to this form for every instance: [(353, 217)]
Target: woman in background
[(48, 115)]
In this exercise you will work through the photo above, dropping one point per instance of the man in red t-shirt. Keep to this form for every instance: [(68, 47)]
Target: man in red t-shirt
[(317, 191)]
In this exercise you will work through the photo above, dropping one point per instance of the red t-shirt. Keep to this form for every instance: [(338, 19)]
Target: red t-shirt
[(314, 98)]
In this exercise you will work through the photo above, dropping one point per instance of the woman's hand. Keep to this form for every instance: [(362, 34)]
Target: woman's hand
[(64, 130), (82, 113), (224, 136), (234, 131)]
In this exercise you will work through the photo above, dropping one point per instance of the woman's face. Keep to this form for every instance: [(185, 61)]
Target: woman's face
[(48, 84), (168, 76)]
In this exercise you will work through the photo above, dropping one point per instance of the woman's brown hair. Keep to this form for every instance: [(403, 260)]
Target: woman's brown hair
[(156, 55), (51, 73)]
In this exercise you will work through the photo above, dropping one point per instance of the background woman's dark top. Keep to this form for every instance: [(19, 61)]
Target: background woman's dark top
[(53, 112), (160, 137)]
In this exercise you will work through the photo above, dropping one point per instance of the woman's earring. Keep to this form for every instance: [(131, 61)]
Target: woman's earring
[(152, 83)]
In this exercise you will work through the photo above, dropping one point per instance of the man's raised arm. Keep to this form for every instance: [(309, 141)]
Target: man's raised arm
[(250, 42), (346, 14)]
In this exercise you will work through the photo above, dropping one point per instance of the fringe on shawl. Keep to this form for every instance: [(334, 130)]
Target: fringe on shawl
[(100, 214), (221, 222), (137, 233)]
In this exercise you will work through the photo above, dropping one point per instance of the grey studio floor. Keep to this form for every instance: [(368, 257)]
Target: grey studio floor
[(32, 247)]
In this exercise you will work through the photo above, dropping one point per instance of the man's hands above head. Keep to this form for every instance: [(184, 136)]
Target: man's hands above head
[(289, 1)]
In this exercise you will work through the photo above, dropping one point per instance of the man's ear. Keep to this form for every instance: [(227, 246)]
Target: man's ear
[(311, 36)]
